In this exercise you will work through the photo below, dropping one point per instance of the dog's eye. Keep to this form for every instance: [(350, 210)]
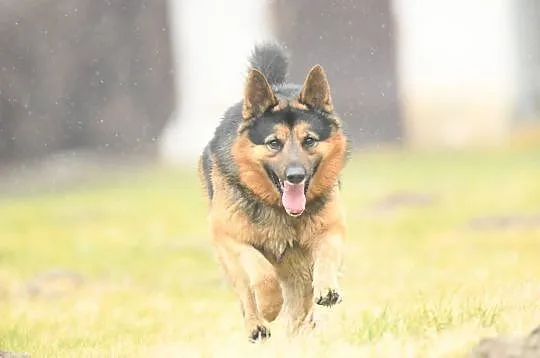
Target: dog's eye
[(309, 142), (274, 144)]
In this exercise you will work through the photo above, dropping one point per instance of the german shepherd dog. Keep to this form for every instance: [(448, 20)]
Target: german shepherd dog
[(271, 173)]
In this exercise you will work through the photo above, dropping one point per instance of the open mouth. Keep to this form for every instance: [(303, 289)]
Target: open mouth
[(293, 196), (275, 179)]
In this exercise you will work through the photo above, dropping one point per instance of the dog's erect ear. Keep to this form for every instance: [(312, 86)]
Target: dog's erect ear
[(316, 90), (258, 95)]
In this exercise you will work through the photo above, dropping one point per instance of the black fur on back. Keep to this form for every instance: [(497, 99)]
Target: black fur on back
[(207, 171), (271, 60)]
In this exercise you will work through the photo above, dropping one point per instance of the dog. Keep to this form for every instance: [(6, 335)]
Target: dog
[(272, 173)]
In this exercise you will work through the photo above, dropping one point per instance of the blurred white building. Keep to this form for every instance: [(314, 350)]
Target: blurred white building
[(457, 70), (212, 40)]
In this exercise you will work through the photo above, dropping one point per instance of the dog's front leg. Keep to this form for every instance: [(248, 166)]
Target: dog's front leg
[(294, 270), (327, 260), (237, 260)]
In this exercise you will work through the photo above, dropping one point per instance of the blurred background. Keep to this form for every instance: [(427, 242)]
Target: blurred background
[(440, 97), (101, 80)]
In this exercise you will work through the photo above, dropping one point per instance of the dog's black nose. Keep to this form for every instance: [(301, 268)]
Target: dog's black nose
[(295, 173)]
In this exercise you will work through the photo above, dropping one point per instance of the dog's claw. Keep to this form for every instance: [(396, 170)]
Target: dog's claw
[(332, 297), (259, 334)]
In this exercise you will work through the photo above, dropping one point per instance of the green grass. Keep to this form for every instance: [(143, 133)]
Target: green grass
[(418, 281)]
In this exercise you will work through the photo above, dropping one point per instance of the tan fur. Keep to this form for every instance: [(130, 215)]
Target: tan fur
[(303, 256), (287, 264), (297, 105), (316, 90), (283, 104), (312, 264), (248, 156), (258, 95), (332, 153)]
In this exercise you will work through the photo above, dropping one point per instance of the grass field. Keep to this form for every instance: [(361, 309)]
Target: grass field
[(139, 277)]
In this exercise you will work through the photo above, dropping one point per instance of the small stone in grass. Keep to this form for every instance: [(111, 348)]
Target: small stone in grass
[(13, 355)]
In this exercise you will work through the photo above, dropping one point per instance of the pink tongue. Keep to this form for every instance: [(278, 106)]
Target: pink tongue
[(293, 199)]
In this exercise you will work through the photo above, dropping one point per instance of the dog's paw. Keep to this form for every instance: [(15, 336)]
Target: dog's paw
[(259, 334), (328, 297)]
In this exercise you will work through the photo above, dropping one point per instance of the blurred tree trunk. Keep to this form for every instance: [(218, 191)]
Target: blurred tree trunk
[(354, 41), (90, 74)]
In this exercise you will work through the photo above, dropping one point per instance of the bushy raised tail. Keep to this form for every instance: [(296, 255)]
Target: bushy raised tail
[(272, 60)]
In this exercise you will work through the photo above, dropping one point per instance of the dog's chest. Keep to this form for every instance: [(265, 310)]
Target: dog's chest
[(279, 235), (274, 240)]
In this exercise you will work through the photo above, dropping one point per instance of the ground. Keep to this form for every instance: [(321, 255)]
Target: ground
[(442, 251)]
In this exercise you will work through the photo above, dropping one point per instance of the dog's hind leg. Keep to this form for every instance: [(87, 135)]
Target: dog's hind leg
[(237, 260)]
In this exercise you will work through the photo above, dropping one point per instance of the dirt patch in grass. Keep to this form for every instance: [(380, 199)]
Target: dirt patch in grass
[(53, 283), (402, 199), (499, 222), (509, 347)]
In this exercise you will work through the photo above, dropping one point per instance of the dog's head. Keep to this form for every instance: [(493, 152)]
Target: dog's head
[(290, 148)]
